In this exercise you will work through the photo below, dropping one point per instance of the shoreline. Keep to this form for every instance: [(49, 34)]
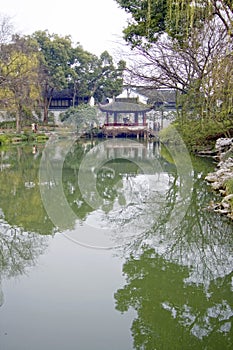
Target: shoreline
[(221, 180)]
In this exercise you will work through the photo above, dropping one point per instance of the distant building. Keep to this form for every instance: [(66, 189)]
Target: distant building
[(152, 96), (146, 95), (64, 99)]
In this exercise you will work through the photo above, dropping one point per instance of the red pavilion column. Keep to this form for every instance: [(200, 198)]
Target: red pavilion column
[(115, 118), (136, 118), (144, 119)]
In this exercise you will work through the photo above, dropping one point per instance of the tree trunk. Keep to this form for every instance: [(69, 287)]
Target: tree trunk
[(74, 94), (18, 128), (47, 102), (46, 111), (18, 118)]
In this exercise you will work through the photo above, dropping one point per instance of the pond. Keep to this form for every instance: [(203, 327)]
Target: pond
[(109, 244)]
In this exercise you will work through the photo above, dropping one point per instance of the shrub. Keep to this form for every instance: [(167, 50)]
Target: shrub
[(4, 139), (229, 189), (168, 135), (8, 124)]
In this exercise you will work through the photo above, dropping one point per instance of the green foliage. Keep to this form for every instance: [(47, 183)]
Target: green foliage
[(26, 136), (41, 138), (27, 203), (97, 77), (19, 85), (167, 135), (185, 15), (195, 134), (198, 134), (8, 124), (148, 19), (194, 57), (81, 117), (229, 190), (151, 18), (56, 52), (85, 75), (55, 64), (4, 139)]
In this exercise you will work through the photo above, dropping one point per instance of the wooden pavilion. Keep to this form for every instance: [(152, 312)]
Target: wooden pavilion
[(125, 117)]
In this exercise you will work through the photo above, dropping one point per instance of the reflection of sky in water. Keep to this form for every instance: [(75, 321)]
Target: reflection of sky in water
[(135, 207), (202, 326), (150, 208), (19, 250), (207, 259), (137, 217), (134, 216)]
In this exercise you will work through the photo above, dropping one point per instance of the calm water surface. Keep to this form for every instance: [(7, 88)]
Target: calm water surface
[(110, 245)]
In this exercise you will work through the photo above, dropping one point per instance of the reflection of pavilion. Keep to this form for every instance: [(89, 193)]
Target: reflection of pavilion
[(129, 149), (125, 117)]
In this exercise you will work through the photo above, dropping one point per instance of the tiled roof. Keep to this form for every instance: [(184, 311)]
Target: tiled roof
[(125, 105), (65, 93), (157, 95)]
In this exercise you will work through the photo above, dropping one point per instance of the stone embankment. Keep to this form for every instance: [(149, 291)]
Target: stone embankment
[(222, 179)]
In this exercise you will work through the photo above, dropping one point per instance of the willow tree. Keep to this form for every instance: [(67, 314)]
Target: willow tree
[(187, 46), (151, 18)]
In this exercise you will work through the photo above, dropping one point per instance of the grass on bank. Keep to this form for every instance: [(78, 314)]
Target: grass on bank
[(23, 137), (195, 135), (9, 135)]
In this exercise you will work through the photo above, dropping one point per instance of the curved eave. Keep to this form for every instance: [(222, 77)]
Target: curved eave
[(122, 107)]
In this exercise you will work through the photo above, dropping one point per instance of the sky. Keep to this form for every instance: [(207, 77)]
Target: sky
[(96, 24)]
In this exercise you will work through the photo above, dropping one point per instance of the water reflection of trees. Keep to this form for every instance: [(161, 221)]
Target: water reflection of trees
[(178, 276), (20, 199), (23, 220), (199, 241), (171, 315), (173, 219), (18, 250), (173, 222), (178, 270), (108, 168)]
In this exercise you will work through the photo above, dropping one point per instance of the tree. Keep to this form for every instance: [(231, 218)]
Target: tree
[(106, 80), (82, 117), (55, 64), (148, 20), (151, 18), (77, 80), (19, 88), (193, 54), (6, 30), (96, 77), (66, 66)]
